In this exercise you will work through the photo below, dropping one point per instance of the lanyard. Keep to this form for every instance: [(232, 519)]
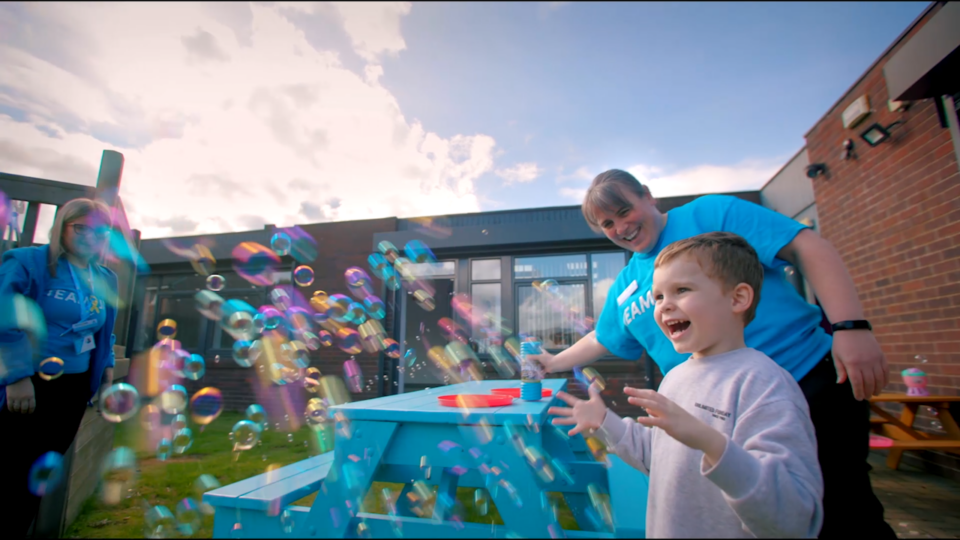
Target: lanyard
[(80, 293)]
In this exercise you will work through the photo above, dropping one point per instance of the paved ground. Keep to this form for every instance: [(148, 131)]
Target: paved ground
[(918, 504)]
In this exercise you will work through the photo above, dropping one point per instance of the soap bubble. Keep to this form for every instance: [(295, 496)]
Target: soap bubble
[(182, 440), (206, 405), (326, 339), (158, 522), (255, 263), (209, 304), (167, 329), (303, 247), (286, 521), (418, 252), (241, 353), (245, 435), (920, 359), (188, 516), (424, 299), (202, 260), (374, 306), (203, 484), (303, 276), (119, 402), (119, 472), (173, 400), (389, 251), (194, 367), (45, 474), (280, 243), (348, 340), (179, 422), (311, 380), (24, 314), (215, 282), (356, 277), (356, 313), (50, 368), (391, 348), (256, 414), (316, 413), (164, 448)]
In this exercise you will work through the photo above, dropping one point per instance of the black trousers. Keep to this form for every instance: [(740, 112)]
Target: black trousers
[(842, 425), (61, 404)]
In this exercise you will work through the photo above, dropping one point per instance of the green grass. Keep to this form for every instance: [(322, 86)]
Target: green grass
[(167, 482)]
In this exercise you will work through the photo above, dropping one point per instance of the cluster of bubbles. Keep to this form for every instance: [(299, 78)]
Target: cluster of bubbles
[(276, 340)]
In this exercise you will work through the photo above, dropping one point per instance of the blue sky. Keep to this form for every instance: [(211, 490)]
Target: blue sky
[(235, 115)]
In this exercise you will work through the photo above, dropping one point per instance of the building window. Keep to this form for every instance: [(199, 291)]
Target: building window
[(485, 270), (555, 266), (557, 300), (605, 268), (485, 299), (556, 317)]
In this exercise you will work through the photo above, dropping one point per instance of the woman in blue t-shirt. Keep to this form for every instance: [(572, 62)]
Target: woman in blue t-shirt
[(836, 373), (45, 388)]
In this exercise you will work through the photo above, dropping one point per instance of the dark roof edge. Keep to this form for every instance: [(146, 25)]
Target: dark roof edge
[(874, 64)]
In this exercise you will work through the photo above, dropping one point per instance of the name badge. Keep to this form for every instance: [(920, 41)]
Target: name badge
[(81, 326), (84, 343), (626, 293)]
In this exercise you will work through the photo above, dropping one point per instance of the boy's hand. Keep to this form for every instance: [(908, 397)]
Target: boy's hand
[(677, 422), (585, 414)]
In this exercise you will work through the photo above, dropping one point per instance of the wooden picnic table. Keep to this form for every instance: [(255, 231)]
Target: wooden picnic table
[(411, 437), (901, 430)]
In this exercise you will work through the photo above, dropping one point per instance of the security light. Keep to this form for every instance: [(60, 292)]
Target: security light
[(876, 134)]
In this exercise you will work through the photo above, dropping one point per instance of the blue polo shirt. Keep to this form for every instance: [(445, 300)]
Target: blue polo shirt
[(62, 309), (786, 327)]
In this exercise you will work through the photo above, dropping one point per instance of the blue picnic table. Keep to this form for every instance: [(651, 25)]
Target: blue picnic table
[(409, 438)]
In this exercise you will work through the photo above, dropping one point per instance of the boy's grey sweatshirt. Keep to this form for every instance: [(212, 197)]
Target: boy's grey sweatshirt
[(767, 483)]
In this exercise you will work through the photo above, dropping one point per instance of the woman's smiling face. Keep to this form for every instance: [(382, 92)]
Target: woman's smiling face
[(635, 226)]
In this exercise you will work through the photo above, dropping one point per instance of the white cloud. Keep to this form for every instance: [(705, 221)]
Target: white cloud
[(374, 27), (747, 175), (573, 193), (582, 174), (221, 124), (520, 173)]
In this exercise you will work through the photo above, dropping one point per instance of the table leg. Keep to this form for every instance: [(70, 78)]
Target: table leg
[(329, 515), (446, 495), (948, 422), (516, 493), (907, 417)]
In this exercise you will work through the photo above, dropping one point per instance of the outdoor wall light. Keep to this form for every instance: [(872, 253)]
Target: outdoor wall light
[(876, 134), (848, 151), (816, 169)]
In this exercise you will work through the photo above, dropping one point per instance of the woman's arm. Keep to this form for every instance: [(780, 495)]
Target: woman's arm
[(857, 354), (585, 351)]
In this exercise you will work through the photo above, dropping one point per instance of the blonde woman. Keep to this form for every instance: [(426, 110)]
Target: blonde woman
[(70, 285)]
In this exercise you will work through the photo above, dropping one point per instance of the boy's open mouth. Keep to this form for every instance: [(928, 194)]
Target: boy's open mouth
[(677, 327)]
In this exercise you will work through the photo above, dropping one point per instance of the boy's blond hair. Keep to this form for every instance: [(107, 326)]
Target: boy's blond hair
[(724, 257)]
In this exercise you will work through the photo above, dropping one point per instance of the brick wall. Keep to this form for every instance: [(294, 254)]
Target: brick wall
[(894, 215)]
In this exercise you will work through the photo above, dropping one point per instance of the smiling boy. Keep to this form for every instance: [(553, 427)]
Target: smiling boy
[(728, 443)]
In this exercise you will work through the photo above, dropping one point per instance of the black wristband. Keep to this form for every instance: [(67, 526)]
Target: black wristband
[(851, 325)]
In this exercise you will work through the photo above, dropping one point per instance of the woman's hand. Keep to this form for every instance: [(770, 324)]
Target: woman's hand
[(587, 415), (677, 422), (545, 359), (858, 357), (105, 383), (20, 397)]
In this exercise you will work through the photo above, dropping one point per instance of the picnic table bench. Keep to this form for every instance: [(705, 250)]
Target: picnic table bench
[(393, 438), (901, 430)]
